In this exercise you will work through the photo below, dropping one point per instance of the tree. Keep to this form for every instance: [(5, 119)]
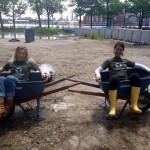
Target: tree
[(140, 9), (3, 10), (112, 9), (93, 7), (88, 7), (16, 9), (37, 6), (51, 7), (79, 7), (116, 7)]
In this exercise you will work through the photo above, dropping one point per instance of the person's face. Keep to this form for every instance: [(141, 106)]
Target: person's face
[(21, 55), (118, 51)]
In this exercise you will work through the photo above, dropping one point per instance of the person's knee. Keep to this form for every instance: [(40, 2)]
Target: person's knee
[(2, 78), (135, 79), (113, 83), (11, 79)]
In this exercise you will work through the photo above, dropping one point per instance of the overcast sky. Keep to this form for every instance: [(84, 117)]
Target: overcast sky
[(65, 14)]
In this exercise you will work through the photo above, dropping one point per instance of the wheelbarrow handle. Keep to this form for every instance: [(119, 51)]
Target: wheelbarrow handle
[(58, 81), (85, 83)]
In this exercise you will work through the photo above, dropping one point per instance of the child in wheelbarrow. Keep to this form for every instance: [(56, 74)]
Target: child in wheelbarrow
[(19, 66), (118, 71)]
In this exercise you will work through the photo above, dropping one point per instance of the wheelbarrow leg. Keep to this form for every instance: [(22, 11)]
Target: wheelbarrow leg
[(119, 115), (122, 110), (40, 117), (24, 111), (105, 104), (41, 105)]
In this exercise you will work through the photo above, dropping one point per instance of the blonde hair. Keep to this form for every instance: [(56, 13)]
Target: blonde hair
[(14, 58)]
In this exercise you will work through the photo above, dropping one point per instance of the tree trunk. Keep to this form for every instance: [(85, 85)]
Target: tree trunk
[(107, 14), (52, 20), (38, 12), (91, 18), (14, 20), (39, 19), (142, 17), (80, 20), (48, 19), (110, 20), (1, 20)]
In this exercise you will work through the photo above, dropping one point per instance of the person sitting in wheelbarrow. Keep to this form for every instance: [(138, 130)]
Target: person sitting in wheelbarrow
[(118, 71), (19, 66)]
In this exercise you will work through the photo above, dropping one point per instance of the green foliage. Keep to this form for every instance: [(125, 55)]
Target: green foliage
[(16, 8), (33, 135), (95, 37), (85, 35), (46, 31), (140, 9), (11, 29), (38, 30), (52, 6)]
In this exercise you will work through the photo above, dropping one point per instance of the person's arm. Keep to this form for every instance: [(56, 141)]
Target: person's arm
[(35, 67), (43, 73), (141, 66), (1, 69), (97, 73)]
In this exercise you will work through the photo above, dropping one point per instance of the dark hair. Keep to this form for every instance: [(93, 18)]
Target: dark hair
[(121, 44)]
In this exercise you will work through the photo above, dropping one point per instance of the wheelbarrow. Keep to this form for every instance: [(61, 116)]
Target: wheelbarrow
[(34, 89), (124, 89)]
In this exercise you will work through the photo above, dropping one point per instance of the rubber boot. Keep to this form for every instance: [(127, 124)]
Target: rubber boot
[(113, 98), (135, 91)]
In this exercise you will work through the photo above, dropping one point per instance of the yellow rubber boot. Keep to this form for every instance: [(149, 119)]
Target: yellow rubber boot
[(113, 98), (135, 91)]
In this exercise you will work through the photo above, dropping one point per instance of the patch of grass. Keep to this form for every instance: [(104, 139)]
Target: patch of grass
[(51, 147), (95, 37), (33, 135), (8, 144)]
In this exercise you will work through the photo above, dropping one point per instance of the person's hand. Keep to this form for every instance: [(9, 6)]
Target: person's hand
[(97, 78), (44, 75)]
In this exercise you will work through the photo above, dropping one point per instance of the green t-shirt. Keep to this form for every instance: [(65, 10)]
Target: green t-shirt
[(21, 69), (118, 67)]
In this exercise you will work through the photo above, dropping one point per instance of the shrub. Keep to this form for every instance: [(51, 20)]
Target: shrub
[(38, 30), (95, 37), (46, 31), (85, 35)]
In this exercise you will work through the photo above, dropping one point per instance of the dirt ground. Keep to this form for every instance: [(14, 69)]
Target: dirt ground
[(74, 121)]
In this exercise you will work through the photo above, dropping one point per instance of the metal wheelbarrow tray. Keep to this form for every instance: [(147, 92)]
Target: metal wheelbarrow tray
[(124, 89), (35, 88)]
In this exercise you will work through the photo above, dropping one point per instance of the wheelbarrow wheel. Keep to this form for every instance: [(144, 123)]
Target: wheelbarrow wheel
[(8, 114), (145, 96)]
